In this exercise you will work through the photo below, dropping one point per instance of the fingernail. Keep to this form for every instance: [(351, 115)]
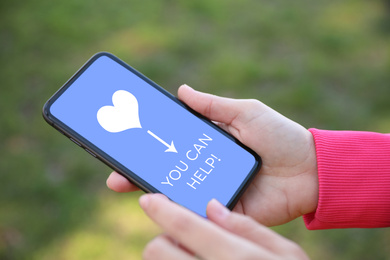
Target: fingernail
[(144, 201), (218, 210)]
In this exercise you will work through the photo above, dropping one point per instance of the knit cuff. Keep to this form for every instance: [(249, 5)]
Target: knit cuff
[(354, 180)]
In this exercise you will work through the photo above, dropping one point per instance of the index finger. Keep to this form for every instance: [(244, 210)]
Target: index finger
[(197, 234)]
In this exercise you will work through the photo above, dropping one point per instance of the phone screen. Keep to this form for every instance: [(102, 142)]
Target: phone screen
[(146, 134)]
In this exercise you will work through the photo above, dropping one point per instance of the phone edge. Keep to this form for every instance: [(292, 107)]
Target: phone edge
[(143, 186)]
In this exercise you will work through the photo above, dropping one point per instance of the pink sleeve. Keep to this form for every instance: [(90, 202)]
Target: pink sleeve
[(354, 180)]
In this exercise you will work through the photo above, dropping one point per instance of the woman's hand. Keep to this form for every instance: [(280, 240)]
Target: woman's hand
[(225, 235), (287, 185)]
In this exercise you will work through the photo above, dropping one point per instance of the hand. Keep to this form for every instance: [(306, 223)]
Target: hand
[(287, 185), (226, 236)]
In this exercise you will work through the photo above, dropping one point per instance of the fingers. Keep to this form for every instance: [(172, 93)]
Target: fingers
[(215, 108), (240, 225), (246, 227), (162, 247), (118, 183), (199, 235)]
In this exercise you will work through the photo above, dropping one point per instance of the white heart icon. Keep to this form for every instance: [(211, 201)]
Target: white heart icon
[(122, 116)]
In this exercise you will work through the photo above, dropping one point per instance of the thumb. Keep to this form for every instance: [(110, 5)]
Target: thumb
[(215, 108)]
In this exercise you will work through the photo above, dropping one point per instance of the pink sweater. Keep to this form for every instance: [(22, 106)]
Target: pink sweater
[(354, 180)]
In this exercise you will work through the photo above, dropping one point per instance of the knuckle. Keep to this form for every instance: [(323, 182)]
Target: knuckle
[(254, 103), (251, 105)]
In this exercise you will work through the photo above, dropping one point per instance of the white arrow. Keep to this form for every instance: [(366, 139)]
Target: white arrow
[(171, 148)]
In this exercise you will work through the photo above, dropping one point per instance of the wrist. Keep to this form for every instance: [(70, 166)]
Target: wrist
[(312, 183)]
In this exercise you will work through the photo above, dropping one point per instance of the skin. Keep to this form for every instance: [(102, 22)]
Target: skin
[(286, 187), (224, 235)]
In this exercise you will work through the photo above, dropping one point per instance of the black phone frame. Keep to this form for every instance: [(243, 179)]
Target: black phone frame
[(111, 162)]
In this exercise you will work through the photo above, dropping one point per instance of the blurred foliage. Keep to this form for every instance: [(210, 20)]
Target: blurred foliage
[(322, 63)]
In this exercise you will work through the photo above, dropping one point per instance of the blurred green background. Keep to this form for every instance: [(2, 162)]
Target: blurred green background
[(323, 63)]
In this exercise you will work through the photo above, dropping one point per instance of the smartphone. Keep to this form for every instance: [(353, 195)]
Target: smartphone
[(146, 134)]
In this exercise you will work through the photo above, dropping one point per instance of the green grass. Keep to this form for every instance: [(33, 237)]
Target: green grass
[(322, 63)]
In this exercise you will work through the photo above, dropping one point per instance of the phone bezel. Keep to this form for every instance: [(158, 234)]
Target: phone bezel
[(111, 162)]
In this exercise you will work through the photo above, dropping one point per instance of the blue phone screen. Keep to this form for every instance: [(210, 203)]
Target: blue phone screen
[(157, 139)]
